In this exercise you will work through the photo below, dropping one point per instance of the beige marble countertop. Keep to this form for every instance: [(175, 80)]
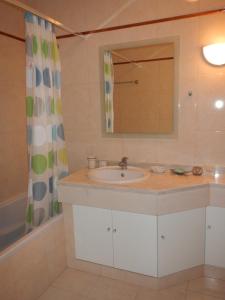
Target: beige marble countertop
[(155, 183)]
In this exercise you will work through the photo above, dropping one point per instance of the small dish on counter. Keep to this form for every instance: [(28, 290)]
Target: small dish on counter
[(197, 171), (180, 171), (158, 169)]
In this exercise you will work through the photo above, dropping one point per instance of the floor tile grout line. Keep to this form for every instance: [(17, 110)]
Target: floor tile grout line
[(50, 284)]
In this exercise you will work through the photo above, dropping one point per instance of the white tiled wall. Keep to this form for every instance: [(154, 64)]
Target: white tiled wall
[(13, 148), (201, 129)]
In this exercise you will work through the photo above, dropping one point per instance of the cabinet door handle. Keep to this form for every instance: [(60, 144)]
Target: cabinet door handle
[(163, 237), (209, 227), (114, 230), (108, 228)]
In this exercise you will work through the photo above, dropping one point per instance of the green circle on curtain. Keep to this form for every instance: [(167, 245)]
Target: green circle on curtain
[(63, 156), (54, 51), (44, 48), (52, 106), (106, 67), (29, 106), (50, 159), (35, 45), (39, 163), (59, 106)]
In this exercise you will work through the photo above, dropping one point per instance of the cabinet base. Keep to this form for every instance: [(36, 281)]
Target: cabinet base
[(147, 281), (138, 279)]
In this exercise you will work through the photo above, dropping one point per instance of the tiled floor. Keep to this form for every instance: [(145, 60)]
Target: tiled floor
[(76, 285)]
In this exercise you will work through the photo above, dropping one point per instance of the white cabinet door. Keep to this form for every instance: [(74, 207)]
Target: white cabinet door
[(215, 236), (181, 241), (135, 242), (93, 234)]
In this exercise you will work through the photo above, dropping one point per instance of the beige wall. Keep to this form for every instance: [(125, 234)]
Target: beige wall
[(13, 159), (201, 129)]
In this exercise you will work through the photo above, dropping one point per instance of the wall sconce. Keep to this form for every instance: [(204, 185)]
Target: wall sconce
[(215, 54)]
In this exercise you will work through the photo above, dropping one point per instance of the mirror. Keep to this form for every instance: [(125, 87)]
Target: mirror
[(139, 88)]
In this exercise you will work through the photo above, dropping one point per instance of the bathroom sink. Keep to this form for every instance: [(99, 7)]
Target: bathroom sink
[(117, 175)]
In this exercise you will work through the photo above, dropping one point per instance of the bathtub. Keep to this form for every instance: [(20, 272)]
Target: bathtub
[(37, 257), (12, 220)]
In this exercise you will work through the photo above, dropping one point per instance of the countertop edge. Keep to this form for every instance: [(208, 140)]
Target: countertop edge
[(137, 190)]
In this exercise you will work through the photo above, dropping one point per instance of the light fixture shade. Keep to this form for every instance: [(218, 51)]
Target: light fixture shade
[(215, 54)]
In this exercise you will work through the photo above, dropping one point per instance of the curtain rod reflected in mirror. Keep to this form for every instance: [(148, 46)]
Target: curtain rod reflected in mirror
[(142, 60), (126, 82)]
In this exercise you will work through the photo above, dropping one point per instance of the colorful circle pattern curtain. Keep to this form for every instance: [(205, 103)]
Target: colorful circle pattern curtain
[(45, 133), (108, 88)]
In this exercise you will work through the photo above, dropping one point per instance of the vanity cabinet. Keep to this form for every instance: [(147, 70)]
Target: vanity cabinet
[(135, 242), (123, 240), (215, 236), (150, 245), (93, 234), (181, 241)]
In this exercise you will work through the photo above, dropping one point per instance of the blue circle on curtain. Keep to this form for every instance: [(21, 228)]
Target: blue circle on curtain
[(29, 45), (38, 76), (39, 106), (28, 17), (39, 190), (63, 174), (38, 20), (56, 79), (47, 25), (29, 135), (54, 133), (39, 215), (60, 131), (107, 87), (50, 184), (46, 77)]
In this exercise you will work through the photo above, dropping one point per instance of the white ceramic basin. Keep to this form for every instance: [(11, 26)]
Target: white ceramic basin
[(116, 175)]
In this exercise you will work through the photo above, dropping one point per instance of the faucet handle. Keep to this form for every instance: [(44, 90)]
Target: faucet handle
[(123, 162), (124, 159)]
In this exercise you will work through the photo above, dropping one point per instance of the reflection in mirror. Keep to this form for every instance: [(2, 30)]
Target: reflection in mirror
[(139, 89)]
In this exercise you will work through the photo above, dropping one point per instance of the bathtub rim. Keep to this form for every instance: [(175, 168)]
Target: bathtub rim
[(13, 199), (10, 250)]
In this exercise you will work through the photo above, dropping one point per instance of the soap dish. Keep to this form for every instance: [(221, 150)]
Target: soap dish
[(181, 171), (158, 169), (178, 171)]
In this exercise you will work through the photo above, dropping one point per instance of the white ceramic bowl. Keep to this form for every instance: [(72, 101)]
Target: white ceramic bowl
[(158, 169)]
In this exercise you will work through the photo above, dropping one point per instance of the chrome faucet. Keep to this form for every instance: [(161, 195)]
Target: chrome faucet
[(123, 163)]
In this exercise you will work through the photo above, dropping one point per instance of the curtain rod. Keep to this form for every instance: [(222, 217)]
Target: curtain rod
[(143, 60), (12, 36), (124, 57), (83, 33), (39, 14), (149, 22)]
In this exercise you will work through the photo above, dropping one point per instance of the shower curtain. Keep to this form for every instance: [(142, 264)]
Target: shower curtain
[(45, 134), (108, 82)]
